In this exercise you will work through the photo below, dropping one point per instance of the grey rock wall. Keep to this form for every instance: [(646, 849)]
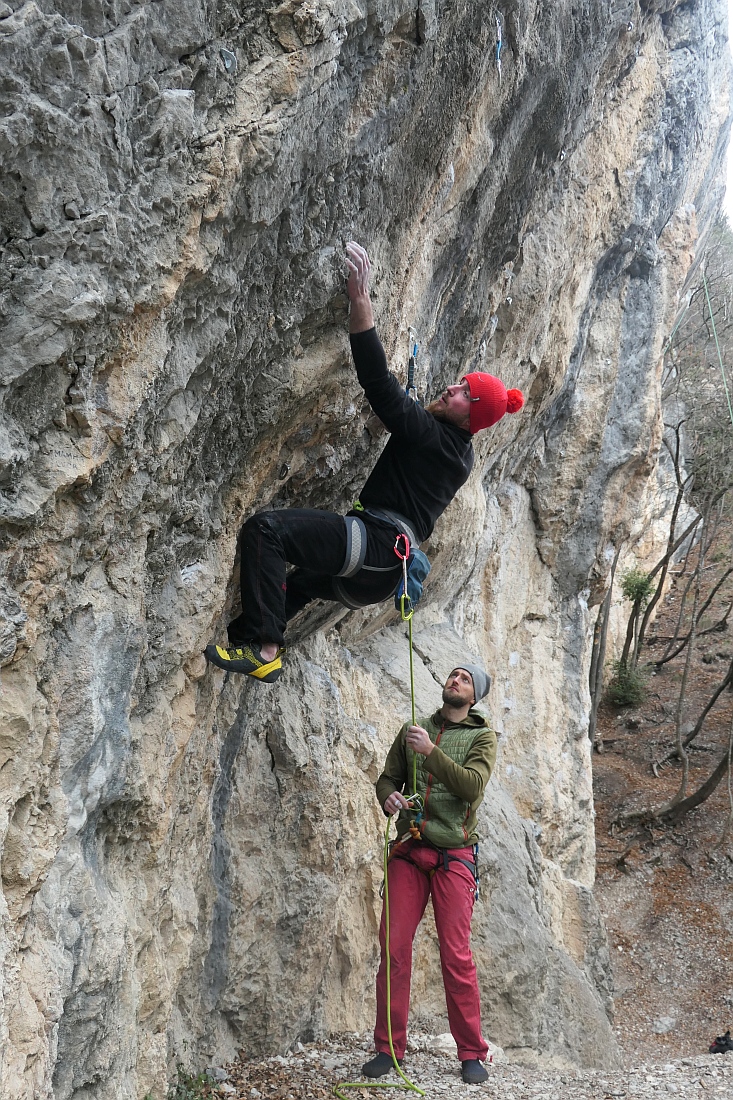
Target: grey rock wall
[(188, 862)]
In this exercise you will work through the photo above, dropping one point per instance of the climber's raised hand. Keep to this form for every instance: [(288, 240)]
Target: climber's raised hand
[(357, 261)]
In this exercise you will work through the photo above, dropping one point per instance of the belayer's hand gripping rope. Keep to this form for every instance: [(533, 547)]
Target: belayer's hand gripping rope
[(406, 612)]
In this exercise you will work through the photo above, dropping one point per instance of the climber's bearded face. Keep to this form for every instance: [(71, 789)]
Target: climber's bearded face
[(454, 405), (458, 690)]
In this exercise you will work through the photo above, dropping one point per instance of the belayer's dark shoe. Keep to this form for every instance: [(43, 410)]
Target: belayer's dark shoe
[(722, 1044), (245, 658), (472, 1072), (379, 1065)]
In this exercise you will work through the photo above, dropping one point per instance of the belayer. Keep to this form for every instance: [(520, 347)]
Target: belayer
[(351, 559), (434, 856)]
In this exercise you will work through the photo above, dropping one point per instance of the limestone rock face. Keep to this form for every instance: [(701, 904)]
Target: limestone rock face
[(189, 862)]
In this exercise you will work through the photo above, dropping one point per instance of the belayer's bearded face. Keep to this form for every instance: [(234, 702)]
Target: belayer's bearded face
[(458, 690), (454, 405)]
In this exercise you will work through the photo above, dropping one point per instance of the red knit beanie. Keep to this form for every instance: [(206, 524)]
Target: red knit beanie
[(490, 399)]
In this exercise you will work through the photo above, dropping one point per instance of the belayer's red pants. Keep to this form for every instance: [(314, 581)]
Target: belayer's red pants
[(452, 891)]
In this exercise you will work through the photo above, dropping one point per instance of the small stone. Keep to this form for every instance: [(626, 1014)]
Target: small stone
[(444, 1044), (336, 1061), (71, 210)]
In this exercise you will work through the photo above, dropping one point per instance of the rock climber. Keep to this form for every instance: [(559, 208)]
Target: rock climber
[(351, 559), (434, 856)]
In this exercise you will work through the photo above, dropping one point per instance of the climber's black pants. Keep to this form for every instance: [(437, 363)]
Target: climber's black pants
[(315, 542)]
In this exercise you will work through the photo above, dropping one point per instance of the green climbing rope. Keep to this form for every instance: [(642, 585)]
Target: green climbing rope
[(717, 345), (407, 618), (672, 334), (405, 1083)]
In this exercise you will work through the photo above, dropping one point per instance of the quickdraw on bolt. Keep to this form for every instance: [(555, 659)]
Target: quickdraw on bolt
[(499, 45), (405, 602)]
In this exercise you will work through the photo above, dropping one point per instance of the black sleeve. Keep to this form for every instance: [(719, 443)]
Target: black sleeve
[(398, 412)]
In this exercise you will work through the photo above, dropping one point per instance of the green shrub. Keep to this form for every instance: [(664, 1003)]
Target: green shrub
[(190, 1087), (627, 686), (637, 586)]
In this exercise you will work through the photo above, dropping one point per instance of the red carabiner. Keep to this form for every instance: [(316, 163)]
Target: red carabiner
[(405, 556)]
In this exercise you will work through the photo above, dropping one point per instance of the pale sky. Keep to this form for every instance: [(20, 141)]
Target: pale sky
[(728, 201)]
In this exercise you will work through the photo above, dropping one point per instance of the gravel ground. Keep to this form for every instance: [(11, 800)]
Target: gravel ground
[(311, 1072)]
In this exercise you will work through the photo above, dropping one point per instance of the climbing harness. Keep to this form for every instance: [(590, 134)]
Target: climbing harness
[(402, 550), (355, 556), (446, 860), (499, 45)]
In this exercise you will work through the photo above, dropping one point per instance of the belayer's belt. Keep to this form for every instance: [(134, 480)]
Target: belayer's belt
[(446, 860)]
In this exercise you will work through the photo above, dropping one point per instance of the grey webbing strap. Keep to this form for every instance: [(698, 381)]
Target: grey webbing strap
[(356, 546)]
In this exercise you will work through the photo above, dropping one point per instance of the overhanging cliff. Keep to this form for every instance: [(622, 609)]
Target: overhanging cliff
[(189, 860)]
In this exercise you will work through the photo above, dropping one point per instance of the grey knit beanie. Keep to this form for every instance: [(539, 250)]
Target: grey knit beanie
[(481, 680)]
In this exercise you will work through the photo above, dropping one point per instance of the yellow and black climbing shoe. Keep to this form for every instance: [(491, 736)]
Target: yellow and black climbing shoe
[(245, 658)]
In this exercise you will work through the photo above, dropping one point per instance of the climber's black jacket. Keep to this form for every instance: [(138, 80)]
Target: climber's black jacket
[(425, 461)]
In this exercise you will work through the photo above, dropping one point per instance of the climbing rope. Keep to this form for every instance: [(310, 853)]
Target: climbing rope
[(406, 613), (720, 357)]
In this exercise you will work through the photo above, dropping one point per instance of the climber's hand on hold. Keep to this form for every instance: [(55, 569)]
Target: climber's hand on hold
[(418, 740), (395, 802), (357, 286), (357, 261)]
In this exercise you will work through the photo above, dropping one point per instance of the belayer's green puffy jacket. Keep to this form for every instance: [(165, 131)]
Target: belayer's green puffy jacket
[(451, 780)]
